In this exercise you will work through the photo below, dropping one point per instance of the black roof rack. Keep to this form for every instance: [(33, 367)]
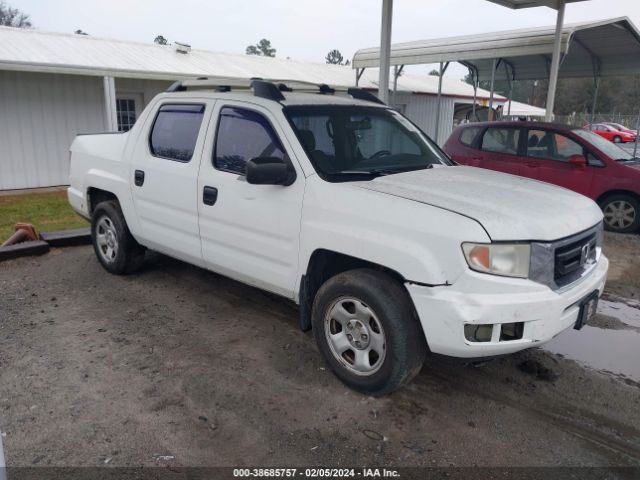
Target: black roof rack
[(271, 89), (266, 90)]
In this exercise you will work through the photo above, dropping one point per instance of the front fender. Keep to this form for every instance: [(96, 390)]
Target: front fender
[(420, 242)]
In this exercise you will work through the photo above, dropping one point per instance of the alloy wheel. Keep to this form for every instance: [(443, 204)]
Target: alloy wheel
[(619, 214)]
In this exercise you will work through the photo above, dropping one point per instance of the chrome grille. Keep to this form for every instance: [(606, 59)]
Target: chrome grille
[(572, 259), (560, 263)]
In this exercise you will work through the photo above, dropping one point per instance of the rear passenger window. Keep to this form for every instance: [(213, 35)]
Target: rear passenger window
[(243, 135), (501, 140), (175, 131), (468, 135)]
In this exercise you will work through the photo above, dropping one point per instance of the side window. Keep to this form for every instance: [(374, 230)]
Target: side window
[(243, 135), (501, 140), (551, 146), (468, 135), (175, 131)]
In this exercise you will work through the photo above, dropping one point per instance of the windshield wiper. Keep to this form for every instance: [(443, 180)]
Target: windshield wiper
[(391, 171), (380, 172), (358, 173)]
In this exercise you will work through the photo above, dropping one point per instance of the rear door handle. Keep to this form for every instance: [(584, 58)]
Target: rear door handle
[(209, 195), (138, 178), (532, 164)]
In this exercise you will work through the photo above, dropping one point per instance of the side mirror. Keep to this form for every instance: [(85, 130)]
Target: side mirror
[(578, 161), (268, 171)]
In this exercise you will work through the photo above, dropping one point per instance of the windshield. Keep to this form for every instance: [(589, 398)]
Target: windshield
[(344, 142), (605, 146)]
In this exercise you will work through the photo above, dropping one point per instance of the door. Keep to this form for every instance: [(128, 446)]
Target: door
[(499, 150), (249, 232), (164, 177), (547, 159)]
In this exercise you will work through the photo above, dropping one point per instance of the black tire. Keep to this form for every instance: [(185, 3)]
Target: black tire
[(107, 222), (405, 346), (617, 139), (630, 208)]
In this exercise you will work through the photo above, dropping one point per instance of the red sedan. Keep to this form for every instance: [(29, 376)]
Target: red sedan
[(620, 127), (573, 158), (610, 132)]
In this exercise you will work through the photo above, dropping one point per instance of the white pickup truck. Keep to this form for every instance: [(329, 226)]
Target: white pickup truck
[(344, 206)]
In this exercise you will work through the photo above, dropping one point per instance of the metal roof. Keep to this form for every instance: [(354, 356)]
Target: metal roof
[(37, 51), (611, 46), (517, 4), (519, 109)]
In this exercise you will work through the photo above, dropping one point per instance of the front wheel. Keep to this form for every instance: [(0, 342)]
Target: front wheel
[(617, 139), (115, 247), (365, 326), (621, 213)]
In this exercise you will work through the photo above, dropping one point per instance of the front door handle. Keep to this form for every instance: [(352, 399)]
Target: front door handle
[(138, 178), (209, 195)]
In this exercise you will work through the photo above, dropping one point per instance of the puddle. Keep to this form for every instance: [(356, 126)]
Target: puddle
[(616, 351), (622, 311)]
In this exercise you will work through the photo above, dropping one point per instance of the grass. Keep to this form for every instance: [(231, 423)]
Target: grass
[(47, 211)]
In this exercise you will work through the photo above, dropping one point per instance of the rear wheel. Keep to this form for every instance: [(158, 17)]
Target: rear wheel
[(115, 247), (621, 213), (365, 326)]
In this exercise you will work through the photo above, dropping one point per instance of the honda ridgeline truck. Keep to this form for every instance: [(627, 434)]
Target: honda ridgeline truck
[(344, 206)]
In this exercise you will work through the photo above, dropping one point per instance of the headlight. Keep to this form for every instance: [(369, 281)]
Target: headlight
[(509, 260)]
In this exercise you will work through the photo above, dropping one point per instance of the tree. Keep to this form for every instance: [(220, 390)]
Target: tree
[(334, 57), (12, 17), (262, 48), (160, 40), (434, 73), (80, 32)]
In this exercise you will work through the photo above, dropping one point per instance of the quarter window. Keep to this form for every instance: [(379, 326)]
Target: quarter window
[(501, 140), (175, 131), (551, 145), (243, 135)]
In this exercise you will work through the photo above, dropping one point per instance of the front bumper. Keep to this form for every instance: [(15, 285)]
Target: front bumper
[(478, 298)]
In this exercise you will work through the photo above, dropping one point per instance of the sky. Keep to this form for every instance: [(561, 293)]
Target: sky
[(300, 29)]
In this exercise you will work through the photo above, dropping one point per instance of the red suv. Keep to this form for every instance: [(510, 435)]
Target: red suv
[(573, 158)]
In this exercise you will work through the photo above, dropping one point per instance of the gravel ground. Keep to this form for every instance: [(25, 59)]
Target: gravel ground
[(176, 366)]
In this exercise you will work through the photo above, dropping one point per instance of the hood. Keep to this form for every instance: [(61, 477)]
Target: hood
[(507, 206)]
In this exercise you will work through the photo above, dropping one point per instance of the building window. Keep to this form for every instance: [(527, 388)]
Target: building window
[(126, 111)]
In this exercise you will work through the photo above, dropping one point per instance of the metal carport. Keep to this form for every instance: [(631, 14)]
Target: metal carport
[(600, 48)]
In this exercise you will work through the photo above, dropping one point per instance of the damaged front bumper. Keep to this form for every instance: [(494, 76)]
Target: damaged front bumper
[(497, 303)]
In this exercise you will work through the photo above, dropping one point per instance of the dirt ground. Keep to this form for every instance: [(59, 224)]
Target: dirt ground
[(176, 366), (623, 252)]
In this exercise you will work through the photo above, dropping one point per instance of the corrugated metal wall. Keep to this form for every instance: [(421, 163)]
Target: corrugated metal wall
[(421, 109), (40, 114)]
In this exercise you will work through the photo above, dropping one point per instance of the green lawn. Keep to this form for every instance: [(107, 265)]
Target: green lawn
[(47, 211)]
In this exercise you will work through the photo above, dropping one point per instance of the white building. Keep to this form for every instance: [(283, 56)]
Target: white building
[(54, 86)]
